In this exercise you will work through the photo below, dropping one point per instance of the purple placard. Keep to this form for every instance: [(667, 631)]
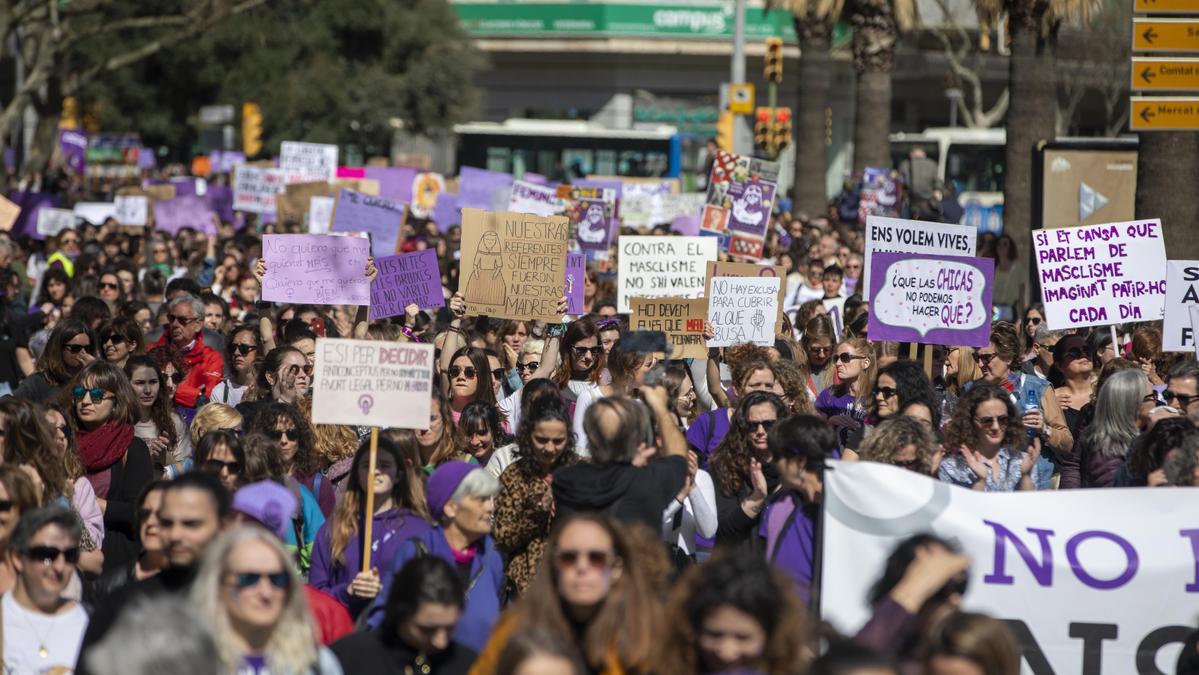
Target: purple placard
[(220, 200), (601, 184), (576, 271), (224, 161), (595, 223), (446, 212), (185, 186), (382, 218), (172, 215), (750, 212), (146, 159), (936, 300), (476, 188), (317, 269), (30, 203), (406, 279), (395, 182), (535, 178), (73, 144), (685, 225)]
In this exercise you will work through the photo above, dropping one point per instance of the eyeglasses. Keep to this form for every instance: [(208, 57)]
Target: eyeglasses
[(530, 366), (584, 351), (244, 580), (278, 434), (182, 320), (295, 369), (1184, 400), (498, 373), (216, 465), (594, 559), (6, 505), (176, 377), (847, 358), (1032, 320), (97, 394), (108, 285), (764, 424), (242, 349), (988, 422), (885, 392), (984, 358), (1075, 354), (48, 554), (75, 349), (469, 372), (113, 339)]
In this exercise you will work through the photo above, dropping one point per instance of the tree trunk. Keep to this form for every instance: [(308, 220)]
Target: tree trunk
[(872, 120), (45, 136), (1167, 172), (1031, 118), (811, 123)]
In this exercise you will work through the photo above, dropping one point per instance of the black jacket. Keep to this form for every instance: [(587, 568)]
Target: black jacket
[(622, 491), (129, 478), (371, 653)]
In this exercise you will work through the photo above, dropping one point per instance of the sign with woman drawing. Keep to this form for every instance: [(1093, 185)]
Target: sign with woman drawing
[(513, 265)]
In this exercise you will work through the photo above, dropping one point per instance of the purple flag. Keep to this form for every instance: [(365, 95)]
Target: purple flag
[(73, 144), (405, 279)]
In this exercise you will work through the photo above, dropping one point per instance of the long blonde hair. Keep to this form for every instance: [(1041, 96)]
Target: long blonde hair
[(292, 647), (865, 378)]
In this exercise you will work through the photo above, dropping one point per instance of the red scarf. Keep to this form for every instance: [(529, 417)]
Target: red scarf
[(104, 446)]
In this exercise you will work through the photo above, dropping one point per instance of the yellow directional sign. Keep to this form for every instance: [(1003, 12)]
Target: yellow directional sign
[(1178, 113), (1167, 6), (1165, 35), (1158, 74)]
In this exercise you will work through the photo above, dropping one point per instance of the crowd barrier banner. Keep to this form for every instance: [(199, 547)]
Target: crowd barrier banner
[(1090, 581), (897, 235)]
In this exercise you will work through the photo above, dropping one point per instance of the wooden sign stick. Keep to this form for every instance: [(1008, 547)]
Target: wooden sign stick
[(370, 501)]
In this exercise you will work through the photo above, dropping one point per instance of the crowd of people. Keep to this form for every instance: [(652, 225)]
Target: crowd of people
[(572, 506)]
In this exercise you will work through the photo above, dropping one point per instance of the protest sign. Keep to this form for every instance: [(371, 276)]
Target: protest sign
[(540, 200), (660, 267), (220, 200), (936, 300), (741, 194), (1193, 310), (1061, 567), (379, 217), (1182, 292), (320, 214), (742, 309), (131, 210), (447, 214), (513, 265), (73, 145), (372, 383), (483, 189), (52, 221), (395, 182), (404, 280), (315, 269), (1095, 275), (191, 211), (291, 205), (9, 212), (308, 162), (592, 214), (576, 279), (682, 319), (739, 269), (897, 235), (156, 193), (425, 188), (254, 188), (94, 212)]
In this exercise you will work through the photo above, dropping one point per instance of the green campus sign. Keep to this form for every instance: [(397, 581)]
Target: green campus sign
[(700, 20)]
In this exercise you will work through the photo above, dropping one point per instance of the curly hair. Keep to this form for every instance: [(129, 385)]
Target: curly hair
[(744, 368), (961, 430), (29, 439), (751, 586), (1149, 452), (306, 462), (730, 460), (911, 386), (162, 410), (895, 434), (1006, 339), (546, 409), (792, 377), (332, 442)]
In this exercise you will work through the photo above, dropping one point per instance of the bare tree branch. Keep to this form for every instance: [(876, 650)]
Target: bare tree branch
[(974, 114), (136, 23)]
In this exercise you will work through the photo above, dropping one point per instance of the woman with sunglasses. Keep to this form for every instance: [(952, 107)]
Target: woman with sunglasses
[(854, 364), (594, 591), (248, 591), (469, 378), (243, 349), (337, 553), (283, 376), (752, 373), (71, 346), (1077, 391), (120, 338), (115, 460), (986, 447), (220, 452), (903, 442), (527, 363), (897, 386), (18, 496), (819, 335), (1034, 316), (158, 424), (287, 426), (110, 290), (742, 469)]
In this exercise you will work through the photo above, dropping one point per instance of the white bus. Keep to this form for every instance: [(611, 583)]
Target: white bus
[(972, 160)]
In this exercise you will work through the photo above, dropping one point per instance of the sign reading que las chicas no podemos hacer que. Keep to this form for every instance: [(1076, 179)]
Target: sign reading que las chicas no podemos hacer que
[(938, 300)]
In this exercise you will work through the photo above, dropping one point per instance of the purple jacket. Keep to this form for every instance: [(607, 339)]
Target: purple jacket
[(390, 529)]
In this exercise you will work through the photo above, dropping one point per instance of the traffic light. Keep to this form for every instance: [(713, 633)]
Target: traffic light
[(251, 129), (782, 128), (724, 131), (762, 128), (774, 60)]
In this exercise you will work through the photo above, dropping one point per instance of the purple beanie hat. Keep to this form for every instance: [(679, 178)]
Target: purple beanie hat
[(269, 503), (442, 484)]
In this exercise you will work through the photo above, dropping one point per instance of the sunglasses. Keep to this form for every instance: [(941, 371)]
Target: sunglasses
[(216, 465), (1184, 400), (182, 320), (584, 351), (97, 394), (848, 358), (468, 371), (1075, 354), (144, 514), (594, 559), (295, 370), (176, 378), (988, 422), (820, 350), (241, 349), (48, 554), (75, 349), (885, 392), (498, 374), (114, 339), (108, 286), (6, 505), (1032, 320), (984, 358), (244, 580), (765, 425), (530, 366), (278, 434)]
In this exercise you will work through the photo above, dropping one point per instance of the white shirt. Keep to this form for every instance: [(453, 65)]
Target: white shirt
[(586, 393), (26, 632), (228, 393), (699, 515), (501, 459), (509, 407)]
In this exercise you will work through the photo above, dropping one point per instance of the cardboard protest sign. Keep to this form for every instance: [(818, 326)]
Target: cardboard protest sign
[(308, 162), (316, 269), (513, 265), (403, 280), (1182, 292), (320, 214), (741, 194), (592, 213), (425, 188), (896, 235), (659, 267), (540, 200), (742, 309), (157, 193), (1096, 275), (291, 205), (131, 210), (52, 221), (8, 213), (931, 299), (682, 319), (379, 217), (95, 213), (576, 273), (642, 203), (483, 189), (191, 211), (372, 383), (739, 269), (254, 188)]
